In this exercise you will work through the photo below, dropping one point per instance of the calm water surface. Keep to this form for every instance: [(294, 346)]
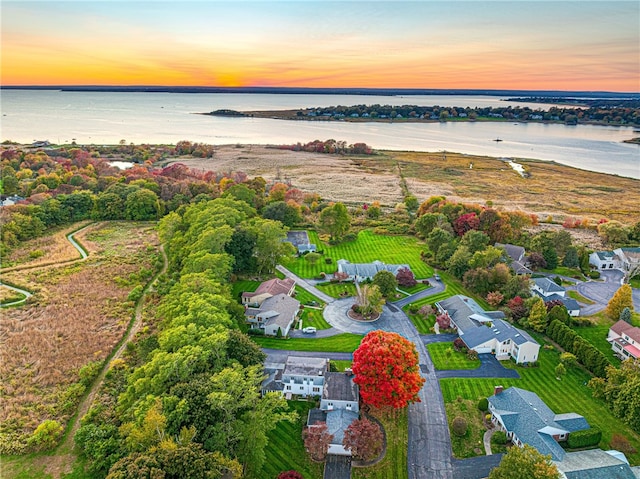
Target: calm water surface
[(107, 118)]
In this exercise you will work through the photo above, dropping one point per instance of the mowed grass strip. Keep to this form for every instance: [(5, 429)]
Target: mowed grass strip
[(305, 297), (241, 286), (285, 449), (313, 317), (579, 298), (367, 247), (597, 335), (445, 357), (394, 464), (338, 290), (571, 394), (341, 343)]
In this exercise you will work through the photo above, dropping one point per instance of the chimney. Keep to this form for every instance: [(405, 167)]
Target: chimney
[(497, 390)]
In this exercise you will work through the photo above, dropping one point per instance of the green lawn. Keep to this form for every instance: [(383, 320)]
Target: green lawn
[(335, 289), (564, 271), (597, 335), (341, 343), (469, 445), (578, 297), (394, 464), (571, 394), (305, 297), (414, 289), (313, 317), (241, 286), (366, 248), (285, 450), (445, 357), (340, 366)]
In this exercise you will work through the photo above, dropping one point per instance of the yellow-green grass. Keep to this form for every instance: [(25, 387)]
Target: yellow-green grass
[(305, 297), (241, 286), (341, 343), (469, 445), (445, 357), (367, 247), (578, 297), (336, 290), (285, 449), (340, 366), (415, 289), (597, 335), (564, 271), (394, 464), (313, 317), (571, 394)]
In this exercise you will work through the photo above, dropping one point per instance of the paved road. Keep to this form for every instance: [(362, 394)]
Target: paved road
[(490, 367), (437, 287), (438, 338), (306, 285), (475, 467)]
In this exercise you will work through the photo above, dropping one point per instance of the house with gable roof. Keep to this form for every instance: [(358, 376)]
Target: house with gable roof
[(604, 260), (365, 271), (517, 260), (274, 313), (487, 331), (549, 291), (267, 289), (300, 376), (528, 420), (629, 258), (625, 340)]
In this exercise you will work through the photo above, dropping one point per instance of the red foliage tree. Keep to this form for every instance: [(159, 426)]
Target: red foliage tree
[(317, 440), (537, 261), (386, 369), (517, 308), (444, 321), (364, 439), (466, 222), (290, 475), (406, 278), (495, 298)]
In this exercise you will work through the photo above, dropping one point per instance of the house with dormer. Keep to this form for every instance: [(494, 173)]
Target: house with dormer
[(487, 331), (275, 313), (526, 419)]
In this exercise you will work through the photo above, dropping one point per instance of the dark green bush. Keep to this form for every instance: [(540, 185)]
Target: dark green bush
[(587, 438), (459, 426), (499, 437), (594, 274), (483, 404)]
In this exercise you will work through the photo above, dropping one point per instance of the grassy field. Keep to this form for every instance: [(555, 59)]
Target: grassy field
[(313, 317), (597, 335), (9, 296), (242, 286), (445, 357), (469, 445), (78, 313), (394, 464), (285, 450), (571, 394), (305, 297), (366, 248), (564, 271), (578, 297), (335, 289), (341, 343), (340, 366), (414, 289)]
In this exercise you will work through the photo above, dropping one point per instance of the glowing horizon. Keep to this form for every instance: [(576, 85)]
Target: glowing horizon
[(518, 45)]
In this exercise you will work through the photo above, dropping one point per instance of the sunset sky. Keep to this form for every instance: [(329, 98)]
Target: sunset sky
[(574, 45)]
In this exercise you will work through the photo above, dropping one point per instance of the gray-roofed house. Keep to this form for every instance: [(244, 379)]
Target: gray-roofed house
[(340, 406), (267, 289), (364, 271), (604, 260), (487, 331), (275, 312), (300, 239), (517, 260), (528, 420), (596, 464), (550, 291), (299, 375)]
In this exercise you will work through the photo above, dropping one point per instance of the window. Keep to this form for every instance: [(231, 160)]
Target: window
[(316, 390), (288, 388)]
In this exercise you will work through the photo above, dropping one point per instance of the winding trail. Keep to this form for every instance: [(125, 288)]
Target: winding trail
[(27, 294), (63, 458)]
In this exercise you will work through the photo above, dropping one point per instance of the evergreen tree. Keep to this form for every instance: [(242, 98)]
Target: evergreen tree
[(625, 315)]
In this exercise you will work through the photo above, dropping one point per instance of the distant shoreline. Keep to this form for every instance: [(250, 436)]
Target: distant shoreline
[(326, 91)]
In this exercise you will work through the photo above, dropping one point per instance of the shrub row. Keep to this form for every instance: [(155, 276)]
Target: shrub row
[(587, 438), (592, 358)]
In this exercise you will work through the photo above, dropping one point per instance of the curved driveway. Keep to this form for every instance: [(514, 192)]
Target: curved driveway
[(602, 291)]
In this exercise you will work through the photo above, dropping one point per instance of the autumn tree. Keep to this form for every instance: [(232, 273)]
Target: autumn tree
[(290, 475), (386, 369), (386, 281), (317, 440), (444, 321), (538, 315), (495, 298), (406, 278), (525, 463), (364, 439), (369, 300), (620, 300), (621, 391)]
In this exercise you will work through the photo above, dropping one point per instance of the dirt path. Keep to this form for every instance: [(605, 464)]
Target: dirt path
[(63, 458)]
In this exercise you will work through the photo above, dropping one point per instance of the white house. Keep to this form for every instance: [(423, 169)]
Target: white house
[(364, 271), (604, 260), (629, 258), (304, 376), (487, 331), (550, 291), (625, 340), (274, 313)]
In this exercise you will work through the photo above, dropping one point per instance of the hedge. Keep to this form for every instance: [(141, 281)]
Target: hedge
[(587, 438)]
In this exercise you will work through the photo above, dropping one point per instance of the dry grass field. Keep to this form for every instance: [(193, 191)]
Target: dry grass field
[(50, 249), (80, 314), (551, 189)]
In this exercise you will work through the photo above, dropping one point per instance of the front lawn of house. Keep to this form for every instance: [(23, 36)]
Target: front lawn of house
[(469, 445), (367, 247), (341, 343), (338, 290), (579, 298), (306, 298), (570, 394), (313, 317), (394, 464), (445, 357)]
